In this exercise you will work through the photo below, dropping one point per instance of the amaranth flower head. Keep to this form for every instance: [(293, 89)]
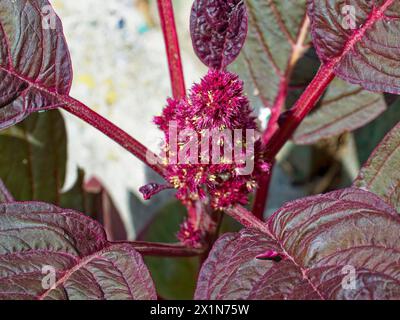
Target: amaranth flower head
[(214, 117)]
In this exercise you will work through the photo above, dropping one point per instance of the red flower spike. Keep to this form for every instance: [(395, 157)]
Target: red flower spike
[(212, 111)]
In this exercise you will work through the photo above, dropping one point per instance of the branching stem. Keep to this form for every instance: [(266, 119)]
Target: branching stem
[(115, 133)]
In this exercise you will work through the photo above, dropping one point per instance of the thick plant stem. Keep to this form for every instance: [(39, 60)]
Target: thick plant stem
[(166, 12), (165, 249), (303, 106), (115, 133)]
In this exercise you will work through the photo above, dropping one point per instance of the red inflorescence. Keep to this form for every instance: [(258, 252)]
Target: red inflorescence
[(213, 108)]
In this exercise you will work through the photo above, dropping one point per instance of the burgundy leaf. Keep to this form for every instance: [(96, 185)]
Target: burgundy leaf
[(380, 174), (320, 240), (37, 238), (359, 39), (218, 29), (344, 108), (35, 67)]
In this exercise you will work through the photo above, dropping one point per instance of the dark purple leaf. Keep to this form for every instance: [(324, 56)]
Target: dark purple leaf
[(35, 67), (319, 239), (381, 174), (360, 40), (37, 238), (218, 29)]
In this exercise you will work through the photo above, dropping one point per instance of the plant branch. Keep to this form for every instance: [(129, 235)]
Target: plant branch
[(165, 249), (115, 133), (166, 12), (303, 106), (5, 194)]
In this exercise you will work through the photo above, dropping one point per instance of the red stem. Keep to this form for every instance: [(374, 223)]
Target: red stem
[(165, 249), (303, 106), (166, 12), (260, 201), (115, 133)]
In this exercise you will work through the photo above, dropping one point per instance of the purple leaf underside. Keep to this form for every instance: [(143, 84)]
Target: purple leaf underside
[(35, 66), (218, 29), (38, 239), (323, 241), (360, 39)]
